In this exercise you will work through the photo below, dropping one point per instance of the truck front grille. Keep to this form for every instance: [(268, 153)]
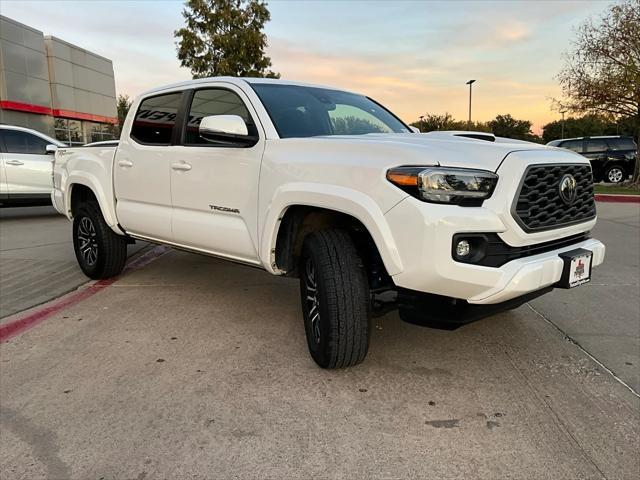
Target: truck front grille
[(539, 205)]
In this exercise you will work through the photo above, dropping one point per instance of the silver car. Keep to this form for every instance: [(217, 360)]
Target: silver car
[(25, 166)]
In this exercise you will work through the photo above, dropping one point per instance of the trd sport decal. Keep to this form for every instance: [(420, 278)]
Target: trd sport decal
[(224, 209)]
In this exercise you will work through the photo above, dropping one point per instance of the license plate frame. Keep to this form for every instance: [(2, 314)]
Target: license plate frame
[(577, 268)]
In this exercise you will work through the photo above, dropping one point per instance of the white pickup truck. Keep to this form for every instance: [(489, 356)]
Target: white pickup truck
[(331, 187)]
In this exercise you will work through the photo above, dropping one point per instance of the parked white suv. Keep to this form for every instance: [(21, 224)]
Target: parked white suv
[(331, 187), (26, 158)]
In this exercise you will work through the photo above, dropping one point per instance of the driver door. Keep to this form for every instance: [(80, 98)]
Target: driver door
[(214, 186)]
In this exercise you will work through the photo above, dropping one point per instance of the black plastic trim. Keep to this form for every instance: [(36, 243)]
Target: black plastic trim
[(492, 251), (447, 313)]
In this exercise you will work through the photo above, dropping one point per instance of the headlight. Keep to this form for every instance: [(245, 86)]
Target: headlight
[(455, 186)]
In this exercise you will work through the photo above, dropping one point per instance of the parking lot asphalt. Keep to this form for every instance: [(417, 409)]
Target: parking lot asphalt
[(191, 367), (603, 316), (37, 262)]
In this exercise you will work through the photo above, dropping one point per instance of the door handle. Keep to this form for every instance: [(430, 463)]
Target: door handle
[(14, 162), (125, 163), (182, 166)]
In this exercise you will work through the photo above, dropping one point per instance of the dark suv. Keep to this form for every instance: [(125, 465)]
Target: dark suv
[(612, 158)]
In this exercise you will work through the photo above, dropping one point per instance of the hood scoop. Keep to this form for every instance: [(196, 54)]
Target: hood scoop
[(487, 137)]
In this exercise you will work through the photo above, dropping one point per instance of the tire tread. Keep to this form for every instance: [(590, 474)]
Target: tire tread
[(347, 295)]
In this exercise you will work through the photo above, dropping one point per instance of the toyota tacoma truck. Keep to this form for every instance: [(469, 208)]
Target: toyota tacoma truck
[(331, 187)]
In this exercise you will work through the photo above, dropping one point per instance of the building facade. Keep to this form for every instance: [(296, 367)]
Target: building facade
[(55, 87)]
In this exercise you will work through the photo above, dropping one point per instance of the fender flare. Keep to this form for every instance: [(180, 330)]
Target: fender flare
[(330, 197), (105, 202)]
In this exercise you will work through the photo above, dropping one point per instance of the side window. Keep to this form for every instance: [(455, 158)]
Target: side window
[(22, 142), (596, 145), (214, 101), (621, 144), (575, 145), (155, 119)]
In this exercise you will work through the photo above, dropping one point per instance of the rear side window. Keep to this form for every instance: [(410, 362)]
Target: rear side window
[(214, 101), (16, 141), (155, 119), (621, 144), (575, 145), (596, 145)]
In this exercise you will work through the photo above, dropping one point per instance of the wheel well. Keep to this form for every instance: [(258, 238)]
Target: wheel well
[(80, 194), (300, 220), (615, 162)]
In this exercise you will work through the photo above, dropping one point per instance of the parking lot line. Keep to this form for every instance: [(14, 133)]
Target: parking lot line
[(35, 316)]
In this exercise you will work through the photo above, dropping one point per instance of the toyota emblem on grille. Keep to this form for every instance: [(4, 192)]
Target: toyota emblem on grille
[(568, 189)]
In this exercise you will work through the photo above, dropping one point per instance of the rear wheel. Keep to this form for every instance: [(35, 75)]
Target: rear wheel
[(100, 252), (614, 174), (335, 299)]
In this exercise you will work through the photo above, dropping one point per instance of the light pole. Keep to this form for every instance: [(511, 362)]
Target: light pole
[(470, 83), (562, 130)]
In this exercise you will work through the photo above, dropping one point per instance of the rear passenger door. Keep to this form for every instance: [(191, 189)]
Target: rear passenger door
[(142, 168)]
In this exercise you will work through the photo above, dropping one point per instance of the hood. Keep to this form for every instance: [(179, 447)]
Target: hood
[(446, 149)]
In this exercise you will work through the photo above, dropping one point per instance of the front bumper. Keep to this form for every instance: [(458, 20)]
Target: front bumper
[(424, 246)]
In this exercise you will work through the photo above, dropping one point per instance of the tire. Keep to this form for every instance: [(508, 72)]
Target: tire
[(614, 174), (336, 303), (100, 252)]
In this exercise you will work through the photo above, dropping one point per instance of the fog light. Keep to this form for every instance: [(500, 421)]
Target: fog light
[(463, 248)]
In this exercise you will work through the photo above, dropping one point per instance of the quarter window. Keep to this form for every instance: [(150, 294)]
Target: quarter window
[(621, 144), (214, 101), (155, 119), (21, 142)]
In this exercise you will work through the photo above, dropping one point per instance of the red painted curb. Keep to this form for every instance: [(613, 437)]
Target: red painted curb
[(40, 314), (605, 197)]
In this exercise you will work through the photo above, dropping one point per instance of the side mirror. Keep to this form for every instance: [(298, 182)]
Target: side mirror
[(226, 129), (51, 148), (414, 129)]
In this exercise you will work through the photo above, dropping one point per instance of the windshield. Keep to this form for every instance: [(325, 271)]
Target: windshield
[(298, 111)]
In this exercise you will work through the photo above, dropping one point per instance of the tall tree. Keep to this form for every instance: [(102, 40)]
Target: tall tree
[(509, 127), (434, 122), (587, 126), (123, 105), (602, 69), (224, 37)]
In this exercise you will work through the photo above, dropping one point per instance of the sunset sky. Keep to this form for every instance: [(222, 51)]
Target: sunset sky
[(412, 56)]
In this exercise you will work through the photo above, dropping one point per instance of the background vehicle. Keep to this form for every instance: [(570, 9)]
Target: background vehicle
[(26, 158), (612, 158), (331, 187)]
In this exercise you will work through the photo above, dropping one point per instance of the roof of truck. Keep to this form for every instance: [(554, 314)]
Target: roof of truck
[(239, 81)]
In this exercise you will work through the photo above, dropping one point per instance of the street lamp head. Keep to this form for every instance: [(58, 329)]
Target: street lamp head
[(469, 82)]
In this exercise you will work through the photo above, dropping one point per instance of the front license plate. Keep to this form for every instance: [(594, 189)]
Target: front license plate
[(577, 268)]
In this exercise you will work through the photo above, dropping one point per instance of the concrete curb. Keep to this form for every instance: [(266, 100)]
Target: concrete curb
[(23, 321), (606, 197)]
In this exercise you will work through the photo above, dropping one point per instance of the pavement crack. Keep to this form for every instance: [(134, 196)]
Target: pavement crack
[(556, 418), (581, 348), (43, 442)]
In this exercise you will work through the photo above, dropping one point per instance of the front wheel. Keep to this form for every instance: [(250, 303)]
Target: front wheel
[(614, 174), (101, 253), (335, 299)]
